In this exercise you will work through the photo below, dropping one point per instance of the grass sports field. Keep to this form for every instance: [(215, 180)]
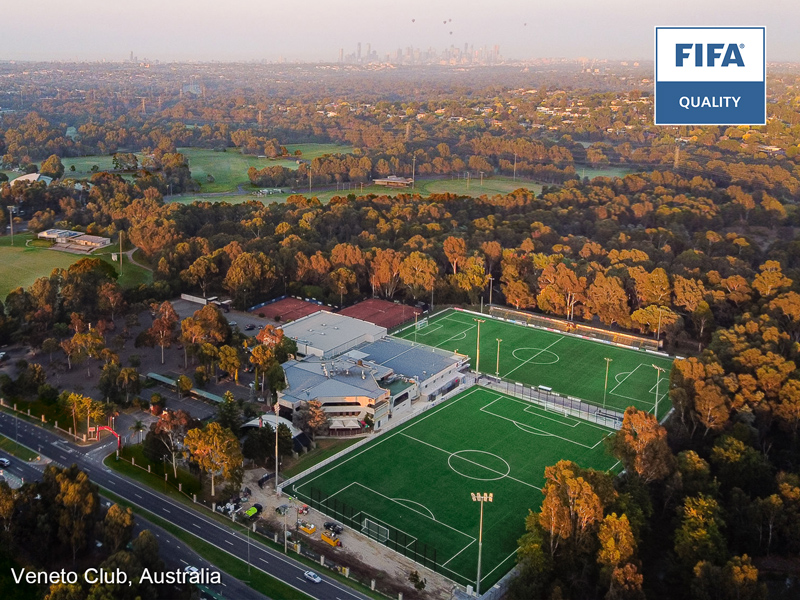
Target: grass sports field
[(22, 264), (567, 364), (414, 483)]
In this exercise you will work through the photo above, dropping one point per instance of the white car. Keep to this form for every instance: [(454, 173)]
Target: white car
[(190, 569), (4, 462), (311, 576)]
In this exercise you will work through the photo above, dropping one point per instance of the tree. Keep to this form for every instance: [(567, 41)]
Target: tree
[(111, 298), (259, 445), (52, 167), (318, 420), (418, 272), (699, 536), (262, 357), (8, 498), (230, 362), (518, 294), (216, 451), (128, 378), (118, 527), (162, 331), (77, 502), (455, 249), (617, 547), (571, 508), (385, 272), (138, 427), (641, 445), (561, 290), (170, 430), (249, 273), (200, 273), (651, 288), (771, 279), (472, 278), (229, 415), (607, 299), (342, 279)]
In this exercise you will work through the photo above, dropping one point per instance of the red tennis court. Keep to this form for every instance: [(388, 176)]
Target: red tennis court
[(381, 312), (289, 309)]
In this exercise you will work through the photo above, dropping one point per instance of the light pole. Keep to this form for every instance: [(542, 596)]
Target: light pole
[(11, 210), (491, 281), (277, 409), (658, 335), (478, 347), (659, 371), (480, 498), (605, 389), (497, 368), (515, 166), (481, 178), (413, 171)]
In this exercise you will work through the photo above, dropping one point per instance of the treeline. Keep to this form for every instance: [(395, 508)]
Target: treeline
[(54, 524)]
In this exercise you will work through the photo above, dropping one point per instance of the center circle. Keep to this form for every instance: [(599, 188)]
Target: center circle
[(535, 356), (478, 465)]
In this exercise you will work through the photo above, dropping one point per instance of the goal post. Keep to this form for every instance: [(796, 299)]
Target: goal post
[(374, 530), (422, 323)]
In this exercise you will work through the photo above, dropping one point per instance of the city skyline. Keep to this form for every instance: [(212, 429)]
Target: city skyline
[(244, 30)]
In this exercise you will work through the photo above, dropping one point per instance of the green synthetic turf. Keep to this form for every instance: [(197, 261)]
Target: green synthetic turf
[(418, 478), (568, 364)]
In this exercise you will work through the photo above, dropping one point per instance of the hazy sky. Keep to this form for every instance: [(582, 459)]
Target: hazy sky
[(228, 30)]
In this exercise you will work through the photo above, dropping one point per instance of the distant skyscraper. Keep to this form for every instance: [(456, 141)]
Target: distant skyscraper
[(341, 55), (358, 52)]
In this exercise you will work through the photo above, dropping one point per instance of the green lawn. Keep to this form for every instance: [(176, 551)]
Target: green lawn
[(415, 483), (490, 187), (316, 456), (229, 169), (83, 165), (155, 479), (567, 364), (21, 452), (21, 265)]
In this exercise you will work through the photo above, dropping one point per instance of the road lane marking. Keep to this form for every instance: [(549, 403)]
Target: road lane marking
[(229, 542)]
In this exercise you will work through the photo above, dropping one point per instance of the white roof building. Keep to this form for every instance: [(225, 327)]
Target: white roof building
[(326, 334), (33, 178)]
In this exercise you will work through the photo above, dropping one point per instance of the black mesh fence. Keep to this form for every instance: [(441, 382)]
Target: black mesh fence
[(396, 539)]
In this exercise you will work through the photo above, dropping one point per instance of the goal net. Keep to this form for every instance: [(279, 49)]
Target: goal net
[(375, 530), (422, 323)]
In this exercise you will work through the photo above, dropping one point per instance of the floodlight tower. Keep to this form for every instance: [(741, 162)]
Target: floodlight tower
[(480, 498)]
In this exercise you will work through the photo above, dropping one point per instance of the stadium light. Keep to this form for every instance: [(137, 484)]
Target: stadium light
[(478, 348), (480, 498), (497, 368), (605, 389), (659, 370)]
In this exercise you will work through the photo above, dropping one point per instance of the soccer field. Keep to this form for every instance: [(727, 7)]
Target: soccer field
[(568, 364), (412, 486)]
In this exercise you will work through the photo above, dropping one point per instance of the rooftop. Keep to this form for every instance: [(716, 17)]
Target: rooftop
[(314, 378), (405, 358), (327, 331)]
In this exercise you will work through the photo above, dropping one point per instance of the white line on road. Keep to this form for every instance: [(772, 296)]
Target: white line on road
[(138, 496), (164, 509), (264, 560), (229, 542)]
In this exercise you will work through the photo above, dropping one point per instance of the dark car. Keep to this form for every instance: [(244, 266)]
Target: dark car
[(249, 327), (334, 527)]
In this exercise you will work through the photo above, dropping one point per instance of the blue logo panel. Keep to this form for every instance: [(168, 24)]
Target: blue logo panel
[(710, 103)]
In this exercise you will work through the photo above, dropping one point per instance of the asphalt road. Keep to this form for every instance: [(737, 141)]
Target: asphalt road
[(193, 521), (174, 553)]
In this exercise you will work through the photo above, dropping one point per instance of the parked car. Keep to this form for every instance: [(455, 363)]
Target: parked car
[(282, 509), (4, 462), (334, 527), (232, 323), (311, 576), (249, 327)]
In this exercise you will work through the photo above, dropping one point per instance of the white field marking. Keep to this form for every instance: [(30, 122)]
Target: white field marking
[(498, 565), (337, 493), (532, 357), (558, 358), (457, 553), (401, 428), (624, 379), (600, 441), (531, 430), (425, 331), (453, 337), (483, 409), (402, 500), (478, 464), (366, 487)]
